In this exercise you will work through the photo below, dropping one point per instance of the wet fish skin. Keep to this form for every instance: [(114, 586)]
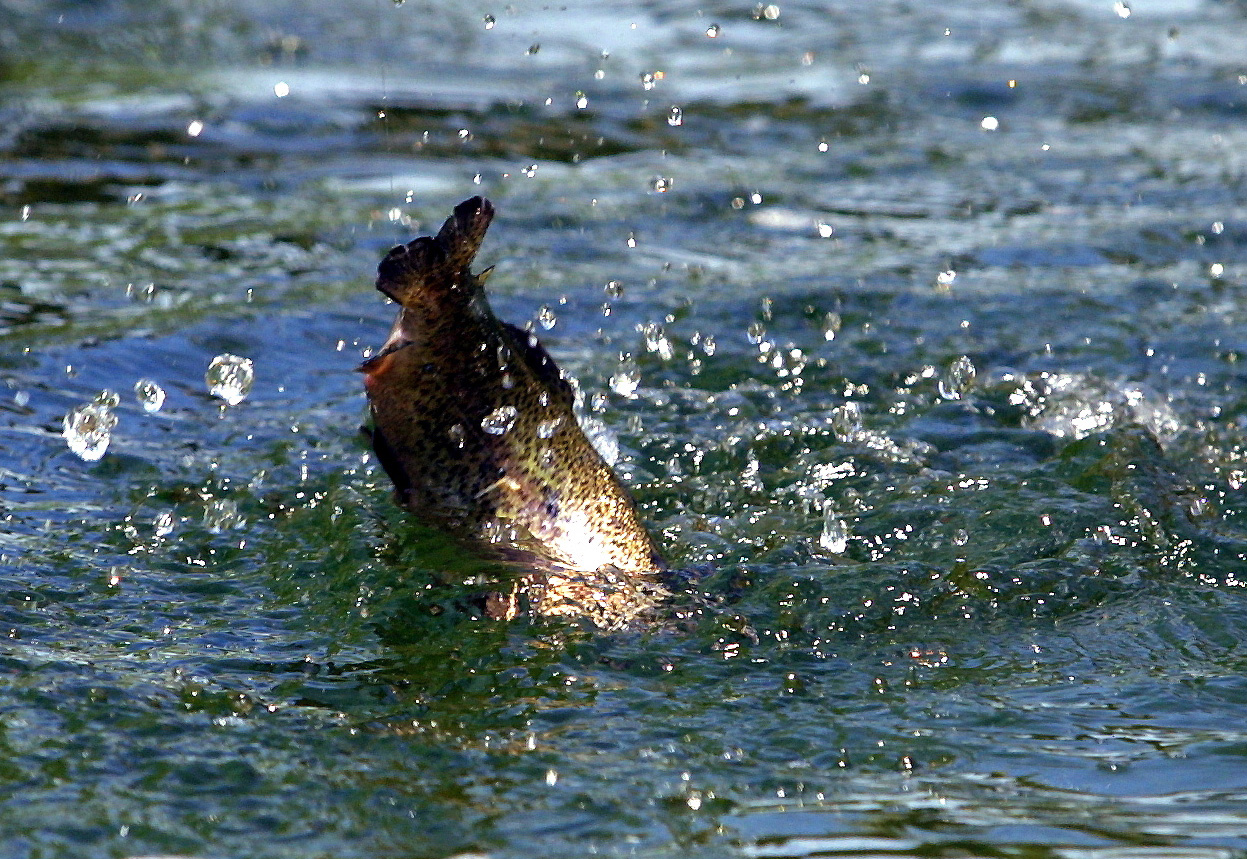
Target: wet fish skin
[(448, 374)]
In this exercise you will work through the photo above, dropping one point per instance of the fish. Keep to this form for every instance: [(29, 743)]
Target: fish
[(476, 426)]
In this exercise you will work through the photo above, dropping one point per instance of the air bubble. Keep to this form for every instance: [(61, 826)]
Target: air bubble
[(546, 317), (675, 117), (149, 394), (490, 21), (500, 420), (456, 435), (230, 378)]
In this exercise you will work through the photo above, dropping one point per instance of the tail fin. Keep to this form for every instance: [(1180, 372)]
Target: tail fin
[(431, 260)]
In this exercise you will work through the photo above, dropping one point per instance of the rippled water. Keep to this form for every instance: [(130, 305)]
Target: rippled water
[(920, 324)]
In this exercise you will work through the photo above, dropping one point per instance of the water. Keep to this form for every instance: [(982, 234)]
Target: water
[(928, 342)]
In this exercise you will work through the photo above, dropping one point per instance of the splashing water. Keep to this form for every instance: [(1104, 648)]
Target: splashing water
[(88, 429), (500, 420), (221, 515), (846, 421), (835, 536), (230, 378), (627, 378), (149, 394), (547, 429), (164, 523), (958, 379)]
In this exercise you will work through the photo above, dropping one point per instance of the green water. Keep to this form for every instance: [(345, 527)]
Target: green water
[(918, 327)]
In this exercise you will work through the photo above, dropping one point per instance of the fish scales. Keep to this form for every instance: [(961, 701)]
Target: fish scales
[(475, 424)]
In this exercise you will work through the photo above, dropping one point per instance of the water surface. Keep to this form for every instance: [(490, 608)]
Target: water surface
[(919, 325)]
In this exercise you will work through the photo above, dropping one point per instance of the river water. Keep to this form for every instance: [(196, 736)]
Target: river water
[(917, 326)]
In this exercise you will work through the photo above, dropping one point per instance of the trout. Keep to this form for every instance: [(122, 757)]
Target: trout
[(475, 425)]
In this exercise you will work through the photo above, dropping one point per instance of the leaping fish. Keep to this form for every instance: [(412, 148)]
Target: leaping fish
[(475, 425)]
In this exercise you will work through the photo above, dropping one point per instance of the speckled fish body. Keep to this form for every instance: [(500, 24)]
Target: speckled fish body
[(475, 425)]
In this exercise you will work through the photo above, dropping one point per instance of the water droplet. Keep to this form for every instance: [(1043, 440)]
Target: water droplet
[(221, 514), (990, 123), (1122, 9), (230, 378), (614, 289), (627, 378), (958, 379), (546, 317), (835, 537), (960, 537), (675, 117), (846, 421), (713, 31), (164, 524), (944, 280), (756, 332), (149, 394), (602, 439), (88, 429), (490, 21), (831, 325), (825, 230), (500, 420), (507, 381), (547, 429), (456, 435), (533, 48), (657, 341), (662, 184)]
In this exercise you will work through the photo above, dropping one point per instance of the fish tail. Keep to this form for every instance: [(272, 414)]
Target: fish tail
[(441, 259)]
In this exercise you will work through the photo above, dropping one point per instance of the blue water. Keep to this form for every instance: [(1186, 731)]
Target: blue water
[(918, 327)]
